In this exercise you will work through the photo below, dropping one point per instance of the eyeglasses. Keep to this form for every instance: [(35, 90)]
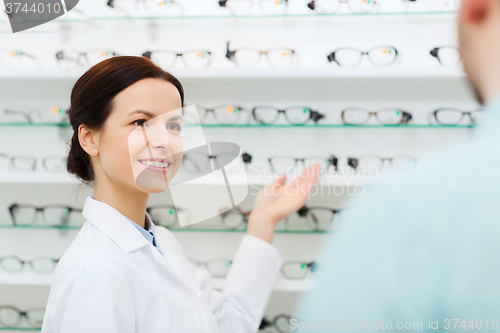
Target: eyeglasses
[(14, 264), (53, 215), (234, 218), (453, 117), (250, 57), (386, 116), (29, 163), (374, 164), (333, 6), (223, 114), (45, 113), (281, 323), (17, 59), (167, 7), (244, 7), (295, 115), (198, 162), (191, 59), (436, 5), (298, 270), (11, 316), (318, 218), (71, 58), (447, 55), (217, 268), (350, 57), (288, 164), (165, 215)]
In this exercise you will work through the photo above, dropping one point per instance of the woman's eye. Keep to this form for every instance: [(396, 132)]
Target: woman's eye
[(139, 122), (174, 127)]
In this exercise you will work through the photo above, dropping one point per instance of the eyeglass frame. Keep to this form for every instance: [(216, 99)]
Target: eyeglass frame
[(24, 54), (150, 208), (147, 54), (312, 267), (26, 263), (27, 112), (332, 161), (223, 4), (21, 314), (435, 53), (235, 210), (246, 158), (331, 56), (351, 161), (469, 113), (111, 3), (264, 323), (32, 158), (311, 5), (406, 116), (305, 210), (204, 264), (313, 114), (212, 110), (232, 54), (41, 211), (59, 56)]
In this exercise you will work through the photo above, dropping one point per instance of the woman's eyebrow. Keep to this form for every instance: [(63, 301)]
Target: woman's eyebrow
[(151, 115), (147, 113)]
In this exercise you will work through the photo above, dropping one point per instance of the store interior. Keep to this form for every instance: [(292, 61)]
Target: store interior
[(356, 85)]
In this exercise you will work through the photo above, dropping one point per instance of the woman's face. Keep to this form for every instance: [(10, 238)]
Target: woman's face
[(140, 144)]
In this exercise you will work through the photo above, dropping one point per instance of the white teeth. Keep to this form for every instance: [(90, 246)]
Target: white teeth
[(156, 164)]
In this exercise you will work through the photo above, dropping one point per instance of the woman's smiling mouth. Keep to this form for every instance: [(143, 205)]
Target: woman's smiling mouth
[(155, 165)]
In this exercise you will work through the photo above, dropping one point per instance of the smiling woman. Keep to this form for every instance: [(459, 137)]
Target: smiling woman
[(122, 273)]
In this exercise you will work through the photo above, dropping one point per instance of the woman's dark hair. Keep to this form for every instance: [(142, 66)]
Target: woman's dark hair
[(92, 96)]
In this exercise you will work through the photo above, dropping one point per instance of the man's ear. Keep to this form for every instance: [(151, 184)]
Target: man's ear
[(476, 11), (87, 139)]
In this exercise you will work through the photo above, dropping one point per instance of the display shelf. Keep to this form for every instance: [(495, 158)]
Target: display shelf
[(33, 279), (188, 229), (328, 71), (65, 19), (19, 329), (343, 178), (324, 82), (259, 125)]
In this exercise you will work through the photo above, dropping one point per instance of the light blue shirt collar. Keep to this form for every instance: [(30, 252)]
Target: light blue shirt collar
[(148, 234)]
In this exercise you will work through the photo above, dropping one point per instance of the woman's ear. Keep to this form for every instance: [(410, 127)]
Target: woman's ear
[(87, 139)]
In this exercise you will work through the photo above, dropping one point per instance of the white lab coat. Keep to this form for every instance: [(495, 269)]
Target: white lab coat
[(112, 280)]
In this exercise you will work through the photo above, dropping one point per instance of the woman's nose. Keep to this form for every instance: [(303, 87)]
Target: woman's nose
[(159, 138)]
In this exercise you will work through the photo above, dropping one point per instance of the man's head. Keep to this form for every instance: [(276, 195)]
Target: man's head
[(479, 42)]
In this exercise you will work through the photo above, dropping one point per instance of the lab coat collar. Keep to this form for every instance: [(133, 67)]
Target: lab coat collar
[(114, 225)]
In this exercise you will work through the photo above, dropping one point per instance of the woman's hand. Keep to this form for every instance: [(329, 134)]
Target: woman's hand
[(277, 201)]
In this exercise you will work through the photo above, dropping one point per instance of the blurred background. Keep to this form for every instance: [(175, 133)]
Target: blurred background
[(367, 88)]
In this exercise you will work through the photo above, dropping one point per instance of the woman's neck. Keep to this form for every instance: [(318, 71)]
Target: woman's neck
[(129, 201)]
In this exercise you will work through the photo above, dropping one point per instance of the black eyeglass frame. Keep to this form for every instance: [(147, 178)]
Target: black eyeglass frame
[(434, 114), (332, 161), (354, 162), (332, 56), (41, 210), (22, 314), (306, 211)]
